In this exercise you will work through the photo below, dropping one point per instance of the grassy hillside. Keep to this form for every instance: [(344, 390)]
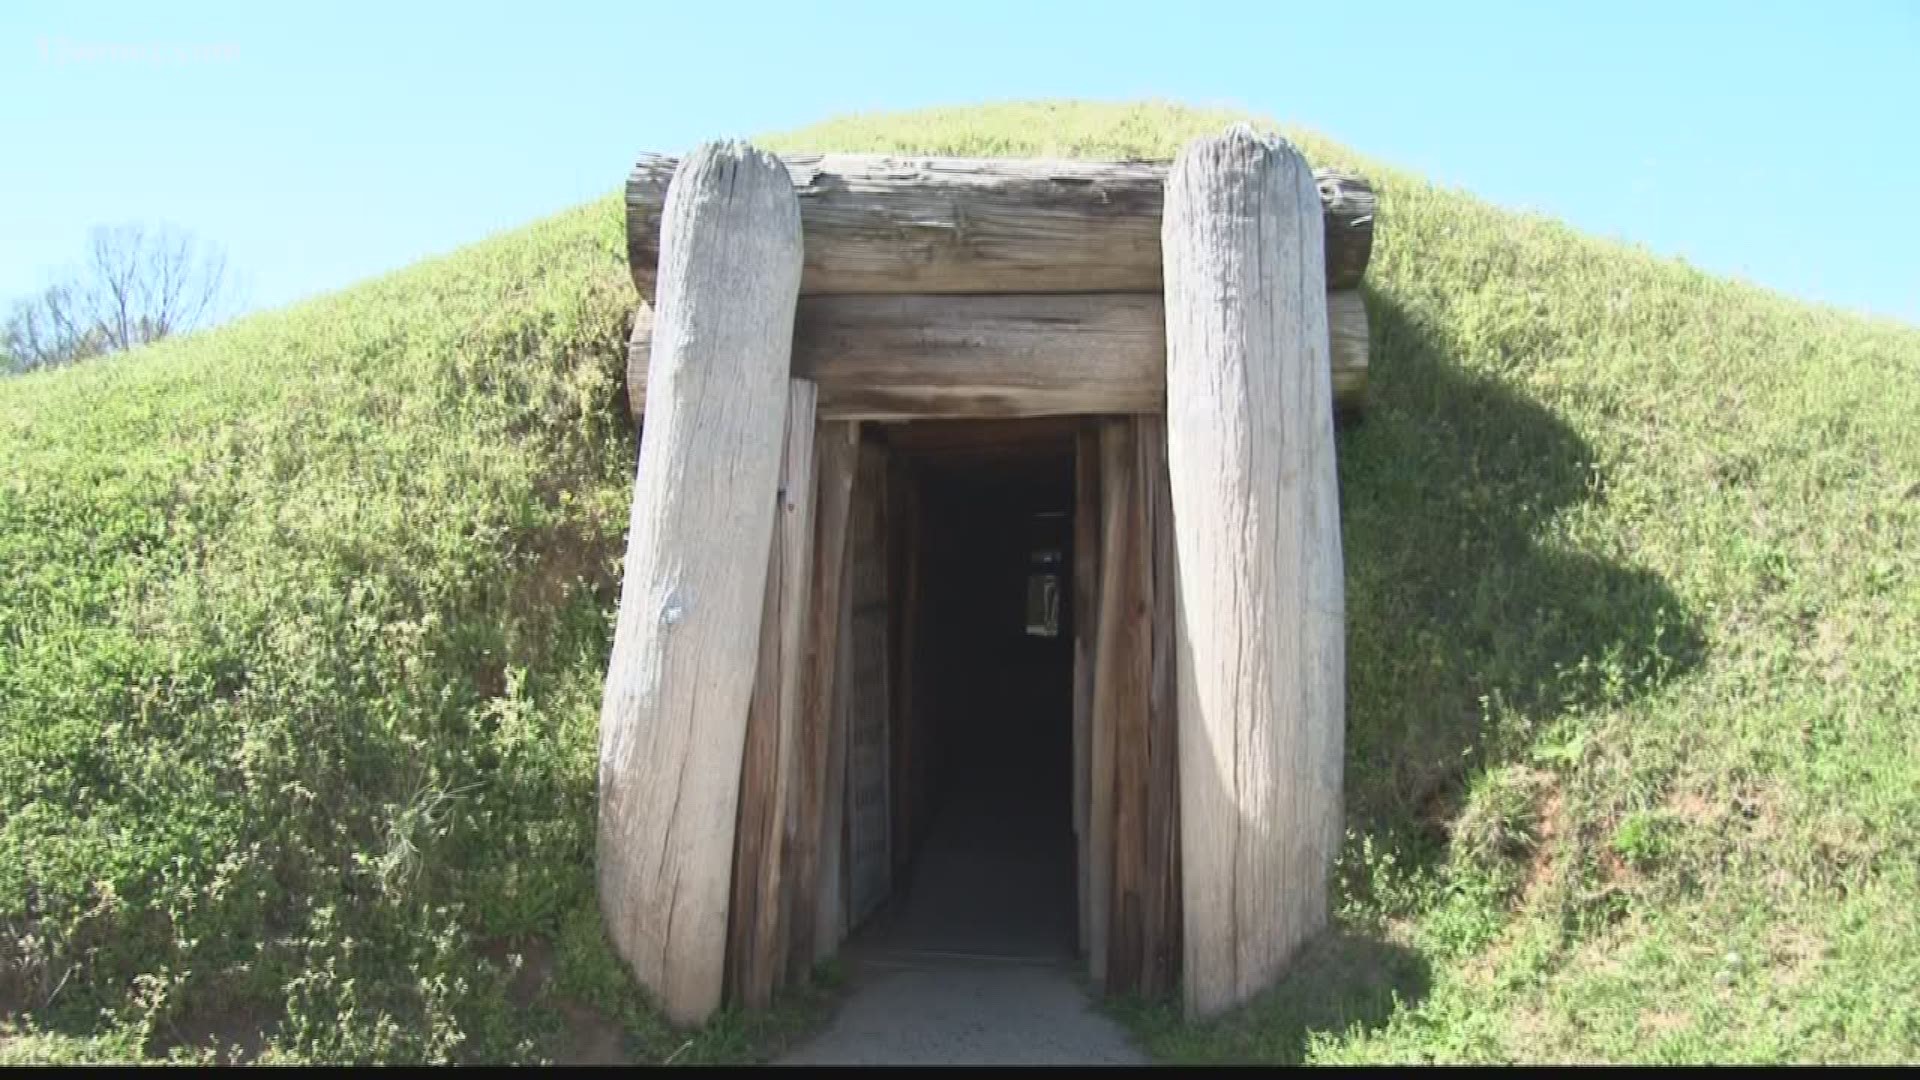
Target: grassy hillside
[(304, 622)]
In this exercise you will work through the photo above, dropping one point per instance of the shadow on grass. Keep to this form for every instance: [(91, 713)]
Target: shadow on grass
[(1473, 640), (1337, 983), (1470, 640)]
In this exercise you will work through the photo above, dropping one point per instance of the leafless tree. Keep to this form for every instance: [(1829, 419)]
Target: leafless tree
[(138, 285)]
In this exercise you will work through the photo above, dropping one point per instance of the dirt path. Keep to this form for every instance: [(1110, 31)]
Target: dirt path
[(950, 1011)]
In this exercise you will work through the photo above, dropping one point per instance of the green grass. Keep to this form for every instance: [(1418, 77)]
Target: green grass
[(305, 619)]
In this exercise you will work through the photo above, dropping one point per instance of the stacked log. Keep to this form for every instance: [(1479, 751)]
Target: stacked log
[(992, 287), (955, 288)]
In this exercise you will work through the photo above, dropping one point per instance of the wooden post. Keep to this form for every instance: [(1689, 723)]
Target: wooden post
[(906, 719), (1121, 700), (1256, 527), (866, 852), (1116, 690), (1086, 623), (1160, 965), (834, 451), (757, 945), (674, 714), (830, 915)]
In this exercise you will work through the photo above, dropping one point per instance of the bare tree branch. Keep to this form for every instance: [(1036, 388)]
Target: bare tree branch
[(137, 286)]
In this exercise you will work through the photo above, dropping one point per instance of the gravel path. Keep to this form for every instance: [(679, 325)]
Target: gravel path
[(962, 1012)]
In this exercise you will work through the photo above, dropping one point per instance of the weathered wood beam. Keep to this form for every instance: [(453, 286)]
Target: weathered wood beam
[(674, 713), (907, 792), (830, 913), (1121, 704), (869, 774), (1086, 622), (1256, 528), (985, 225), (1119, 687), (835, 445), (1348, 342), (995, 357), (889, 357), (758, 921), (1160, 926)]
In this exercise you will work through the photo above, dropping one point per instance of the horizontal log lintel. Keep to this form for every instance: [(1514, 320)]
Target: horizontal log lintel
[(909, 357), (878, 224)]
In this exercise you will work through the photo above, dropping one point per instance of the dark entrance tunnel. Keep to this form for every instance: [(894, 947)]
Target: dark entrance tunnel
[(984, 841)]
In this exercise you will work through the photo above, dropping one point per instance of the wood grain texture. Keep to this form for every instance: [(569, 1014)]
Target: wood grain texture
[(982, 225), (758, 927), (1256, 528), (912, 788), (902, 357), (1114, 688), (869, 760), (1086, 606), (1160, 923), (1122, 697), (674, 711), (1348, 343), (830, 913), (995, 357), (836, 444)]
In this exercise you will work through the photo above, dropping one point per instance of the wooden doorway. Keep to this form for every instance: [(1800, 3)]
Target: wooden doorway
[(979, 856), (1014, 582)]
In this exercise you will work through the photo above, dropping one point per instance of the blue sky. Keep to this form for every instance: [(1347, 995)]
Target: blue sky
[(320, 144)]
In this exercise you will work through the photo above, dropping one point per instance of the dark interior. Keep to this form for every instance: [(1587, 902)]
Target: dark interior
[(987, 854)]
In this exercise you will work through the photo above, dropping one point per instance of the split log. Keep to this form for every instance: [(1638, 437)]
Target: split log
[(1115, 688), (757, 936), (835, 448), (910, 788), (869, 775), (995, 357), (1256, 527), (1133, 697), (1121, 699), (830, 916), (984, 225), (674, 713), (1086, 605), (1160, 928)]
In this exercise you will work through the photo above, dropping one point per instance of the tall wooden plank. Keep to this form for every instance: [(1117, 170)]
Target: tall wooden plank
[(1122, 694), (674, 713), (830, 914), (868, 850), (835, 446), (1114, 688), (1256, 529), (1086, 606), (909, 793), (757, 945), (1160, 944)]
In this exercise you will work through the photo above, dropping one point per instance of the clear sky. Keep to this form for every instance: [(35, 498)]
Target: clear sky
[(322, 143)]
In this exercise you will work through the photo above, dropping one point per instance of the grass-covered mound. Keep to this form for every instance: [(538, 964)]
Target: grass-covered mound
[(304, 619)]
